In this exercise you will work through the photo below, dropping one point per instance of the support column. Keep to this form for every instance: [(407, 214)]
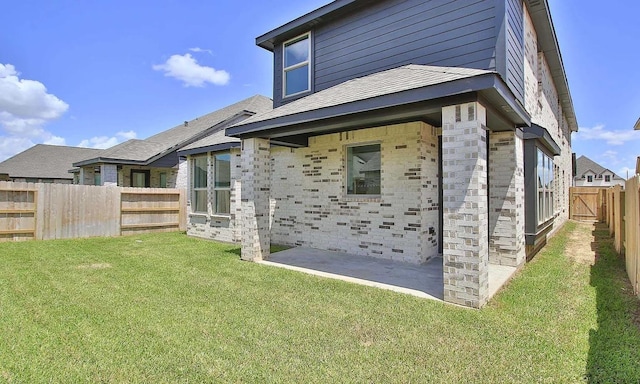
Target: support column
[(465, 205), (506, 197), (109, 175), (255, 193)]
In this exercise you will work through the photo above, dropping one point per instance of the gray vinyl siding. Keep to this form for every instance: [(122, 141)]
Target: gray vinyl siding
[(515, 47), (389, 34)]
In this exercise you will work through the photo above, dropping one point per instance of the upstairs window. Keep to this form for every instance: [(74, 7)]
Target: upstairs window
[(296, 66), (607, 178), (589, 179)]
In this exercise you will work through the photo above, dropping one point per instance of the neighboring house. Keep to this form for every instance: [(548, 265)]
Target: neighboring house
[(402, 130), (154, 162), (44, 164), (591, 174)]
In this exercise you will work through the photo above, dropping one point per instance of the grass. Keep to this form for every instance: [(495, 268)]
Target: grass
[(167, 308)]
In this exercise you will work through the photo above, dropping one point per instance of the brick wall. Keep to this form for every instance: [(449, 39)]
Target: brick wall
[(310, 207)]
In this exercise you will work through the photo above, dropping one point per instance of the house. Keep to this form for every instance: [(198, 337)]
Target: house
[(591, 174), (154, 162), (403, 130), (44, 164)]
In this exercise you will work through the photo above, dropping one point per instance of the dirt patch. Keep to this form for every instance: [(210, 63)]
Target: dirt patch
[(94, 266), (582, 246)]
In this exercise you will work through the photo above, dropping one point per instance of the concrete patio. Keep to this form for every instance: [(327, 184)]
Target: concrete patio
[(421, 280)]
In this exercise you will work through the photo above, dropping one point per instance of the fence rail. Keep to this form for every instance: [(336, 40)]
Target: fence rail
[(587, 203), (61, 211)]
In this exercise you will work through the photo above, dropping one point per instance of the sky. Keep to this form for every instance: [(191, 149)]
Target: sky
[(97, 73)]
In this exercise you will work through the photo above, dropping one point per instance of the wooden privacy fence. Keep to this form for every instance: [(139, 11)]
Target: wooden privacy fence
[(632, 231), (587, 203), (62, 211)]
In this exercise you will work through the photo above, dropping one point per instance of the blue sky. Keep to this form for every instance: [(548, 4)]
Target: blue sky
[(95, 73)]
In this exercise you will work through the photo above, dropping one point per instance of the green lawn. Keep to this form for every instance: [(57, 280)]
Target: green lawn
[(168, 308)]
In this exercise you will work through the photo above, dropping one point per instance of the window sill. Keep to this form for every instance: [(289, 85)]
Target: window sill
[(202, 214), (363, 198), (221, 217)]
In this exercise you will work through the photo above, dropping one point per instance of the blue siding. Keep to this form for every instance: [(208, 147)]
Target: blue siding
[(392, 33), (515, 47)]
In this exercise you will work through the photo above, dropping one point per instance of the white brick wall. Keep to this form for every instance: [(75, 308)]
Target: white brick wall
[(311, 209)]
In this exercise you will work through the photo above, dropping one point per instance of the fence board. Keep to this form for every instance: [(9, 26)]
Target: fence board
[(587, 203), (632, 231), (63, 211)]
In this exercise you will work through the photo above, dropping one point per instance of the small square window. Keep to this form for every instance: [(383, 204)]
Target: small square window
[(363, 170), (589, 179), (607, 178)]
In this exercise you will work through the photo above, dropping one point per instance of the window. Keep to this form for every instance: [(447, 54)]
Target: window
[(163, 180), (220, 197), (589, 179), (222, 184), (199, 184), (607, 178), (363, 170), (545, 184), (97, 179), (296, 65), (140, 178)]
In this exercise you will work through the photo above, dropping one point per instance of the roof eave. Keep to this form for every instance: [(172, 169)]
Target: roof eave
[(268, 40), (488, 83), (548, 42)]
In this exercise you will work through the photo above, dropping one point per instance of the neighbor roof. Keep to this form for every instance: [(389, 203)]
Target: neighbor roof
[(45, 162), (148, 150), (637, 126), (585, 164)]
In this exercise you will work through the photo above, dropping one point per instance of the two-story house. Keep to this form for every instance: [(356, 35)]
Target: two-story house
[(406, 129), (591, 174)]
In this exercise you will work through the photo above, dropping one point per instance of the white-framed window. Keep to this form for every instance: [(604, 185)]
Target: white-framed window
[(199, 184), (607, 178), (211, 170), (545, 184), (590, 179), (363, 169), (221, 199), (296, 76)]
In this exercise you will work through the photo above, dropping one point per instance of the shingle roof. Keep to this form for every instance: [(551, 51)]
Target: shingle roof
[(165, 142), (216, 138), (45, 161), (395, 80), (585, 164), (637, 126)]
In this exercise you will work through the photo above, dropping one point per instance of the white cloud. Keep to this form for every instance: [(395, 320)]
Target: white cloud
[(55, 140), (25, 108), (609, 136), (104, 142), (626, 171), (186, 69), (201, 50)]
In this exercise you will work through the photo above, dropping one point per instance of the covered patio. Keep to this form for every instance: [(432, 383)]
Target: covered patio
[(421, 280)]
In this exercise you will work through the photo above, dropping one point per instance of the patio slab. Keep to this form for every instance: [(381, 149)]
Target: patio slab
[(422, 280)]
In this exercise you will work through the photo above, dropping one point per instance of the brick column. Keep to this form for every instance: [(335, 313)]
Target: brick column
[(465, 210), (256, 186), (506, 197), (109, 175)]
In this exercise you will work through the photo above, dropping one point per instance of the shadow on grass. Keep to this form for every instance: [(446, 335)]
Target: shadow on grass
[(614, 347), (274, 248)]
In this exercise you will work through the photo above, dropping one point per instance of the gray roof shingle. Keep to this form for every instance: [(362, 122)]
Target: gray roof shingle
[(45, 161), (395, 80), (165, 142)]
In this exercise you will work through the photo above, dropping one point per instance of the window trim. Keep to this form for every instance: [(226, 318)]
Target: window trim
[(214, 188), (351, 196), (286, 69), (193, 189), (147, 177)]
